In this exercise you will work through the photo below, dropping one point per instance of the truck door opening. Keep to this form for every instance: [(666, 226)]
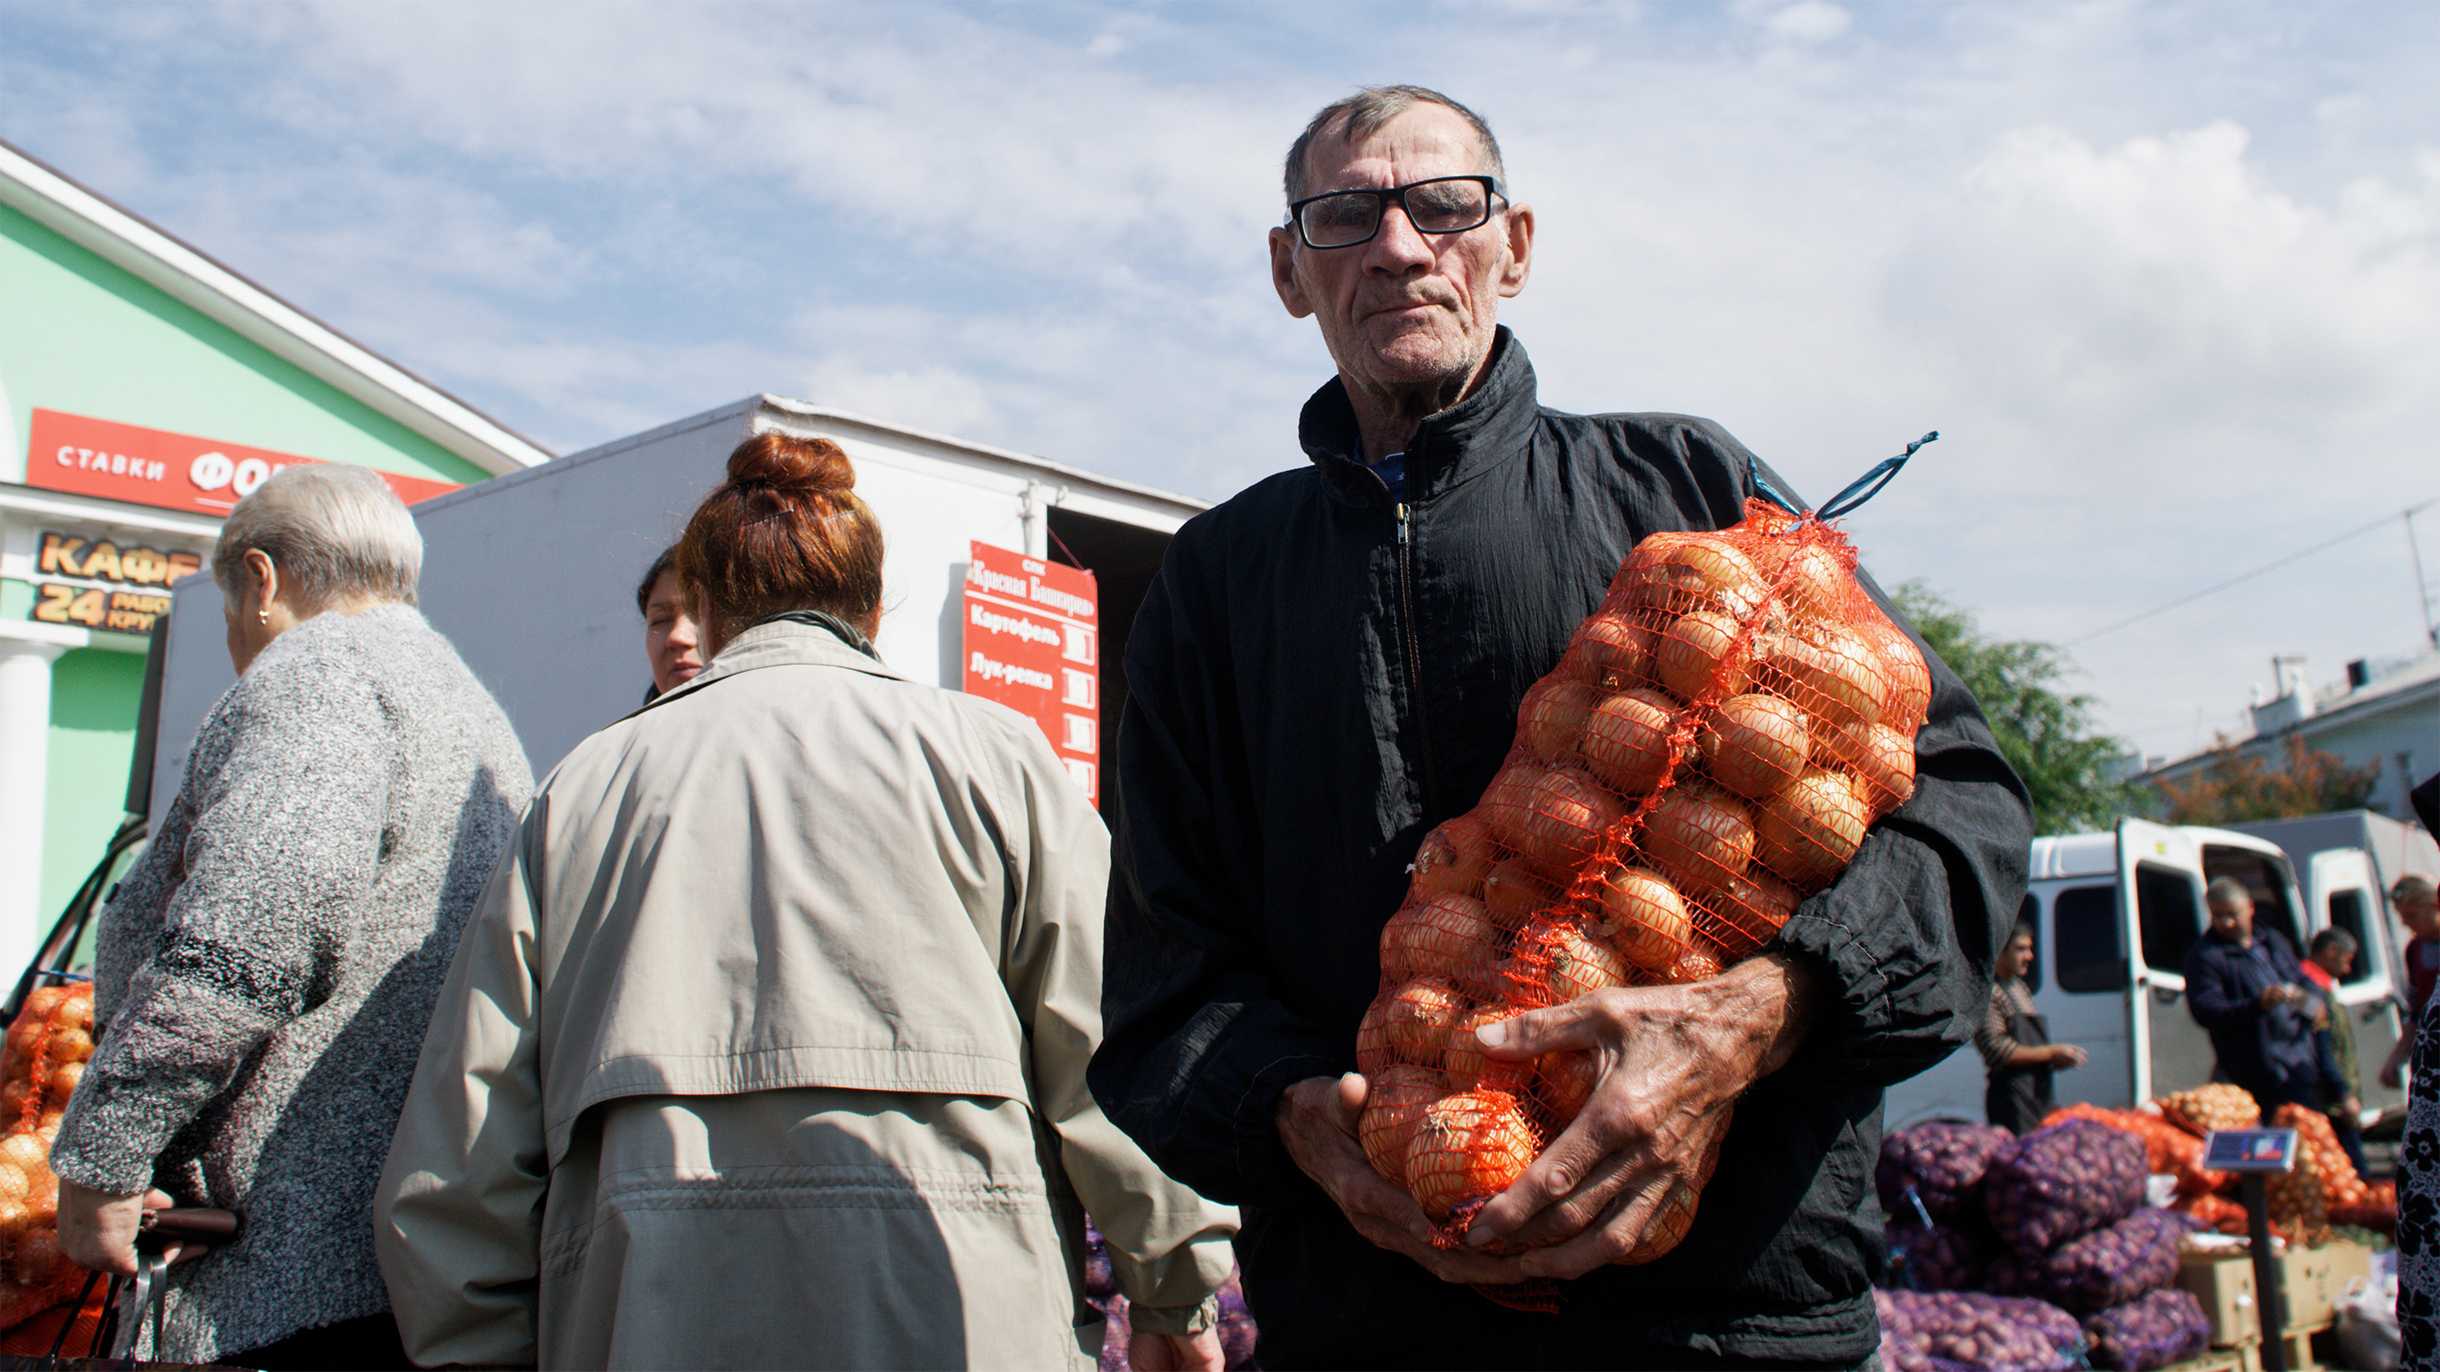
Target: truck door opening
[(1123, 559)]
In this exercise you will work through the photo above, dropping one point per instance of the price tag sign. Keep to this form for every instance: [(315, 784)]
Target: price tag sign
[(2250, 1150)]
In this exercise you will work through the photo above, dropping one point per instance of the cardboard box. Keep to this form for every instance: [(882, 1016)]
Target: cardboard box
[(2305, 1274), (2224, 1284)]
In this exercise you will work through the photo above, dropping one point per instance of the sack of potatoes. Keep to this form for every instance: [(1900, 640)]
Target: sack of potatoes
[(1708, 752)]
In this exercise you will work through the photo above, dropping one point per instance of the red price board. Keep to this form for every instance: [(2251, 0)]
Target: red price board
[(1033, 643), (85, 456)]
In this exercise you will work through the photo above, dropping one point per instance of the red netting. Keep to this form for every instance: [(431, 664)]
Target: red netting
[(1708, 751), (45, 1056)]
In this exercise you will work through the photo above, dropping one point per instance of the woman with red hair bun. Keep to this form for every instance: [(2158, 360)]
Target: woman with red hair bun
[(766, 1047)]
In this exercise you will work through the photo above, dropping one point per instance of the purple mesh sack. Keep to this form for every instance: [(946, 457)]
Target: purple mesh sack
[(2061, 1182), (2109, 1266), (1966, 1331), (1944, 1161), (1944, 1257), (2150, 1331)]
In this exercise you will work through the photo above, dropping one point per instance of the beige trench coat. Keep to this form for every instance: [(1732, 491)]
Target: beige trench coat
[(766, 1047)]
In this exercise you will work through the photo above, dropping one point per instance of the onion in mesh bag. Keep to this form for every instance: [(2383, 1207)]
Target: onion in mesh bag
[(1944, 1160), (2150, 1331), (2061, 1181)]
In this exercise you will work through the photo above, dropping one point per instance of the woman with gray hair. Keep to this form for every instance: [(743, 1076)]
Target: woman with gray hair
[(267, 969)]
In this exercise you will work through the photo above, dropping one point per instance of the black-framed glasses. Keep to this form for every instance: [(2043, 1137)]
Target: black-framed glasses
[(1443, 204)]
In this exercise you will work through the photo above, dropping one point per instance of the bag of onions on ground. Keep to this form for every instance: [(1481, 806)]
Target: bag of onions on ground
[(1707, 753)]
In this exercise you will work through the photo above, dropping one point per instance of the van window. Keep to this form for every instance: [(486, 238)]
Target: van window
[(2347, 912), (2029, 914), (2169, 910), (2268, 879), (2084, 939)]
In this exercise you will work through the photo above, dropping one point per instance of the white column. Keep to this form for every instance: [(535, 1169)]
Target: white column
[(26, 653)]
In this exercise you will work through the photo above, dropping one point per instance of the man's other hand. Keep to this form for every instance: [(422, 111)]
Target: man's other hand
[(1175, 1352), (2067, 1055), (1317, 1121), (1673, 1060)]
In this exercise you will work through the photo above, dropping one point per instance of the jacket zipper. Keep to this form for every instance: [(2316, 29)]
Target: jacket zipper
[(1414, 665)]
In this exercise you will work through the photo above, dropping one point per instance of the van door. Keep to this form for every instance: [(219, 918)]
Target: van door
[(2084, 994), (2345, 894), (2160, 878)]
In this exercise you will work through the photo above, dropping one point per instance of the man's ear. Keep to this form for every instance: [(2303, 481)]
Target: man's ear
[(1283, 274), (1519, 222)]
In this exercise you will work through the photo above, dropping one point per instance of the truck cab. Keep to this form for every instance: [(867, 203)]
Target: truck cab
[(2113, 917)]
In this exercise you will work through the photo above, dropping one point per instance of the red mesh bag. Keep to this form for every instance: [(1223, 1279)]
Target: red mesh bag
[(2320, 1149), (1708, 751), (44, 1058), (2206, 1108)]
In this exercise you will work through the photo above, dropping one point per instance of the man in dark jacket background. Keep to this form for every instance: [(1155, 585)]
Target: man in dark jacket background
[(1330, 664), (2243, 985)]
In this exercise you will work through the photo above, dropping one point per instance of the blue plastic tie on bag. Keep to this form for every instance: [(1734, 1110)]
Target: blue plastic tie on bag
[(1855, 493)]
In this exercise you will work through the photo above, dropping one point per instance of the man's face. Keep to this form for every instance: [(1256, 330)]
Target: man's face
[(670, 639), (2334, 960), (1407, 311), (2234, 919), (2421, 915)]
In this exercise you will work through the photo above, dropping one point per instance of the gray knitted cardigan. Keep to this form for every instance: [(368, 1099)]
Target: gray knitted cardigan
[(267, 968)]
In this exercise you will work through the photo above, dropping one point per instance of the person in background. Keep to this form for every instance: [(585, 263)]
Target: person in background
[(2244, 987), (2328, 960), (767, 1047), (672, 643), (267, 968), (2419, 1167), (2015, 1044), (2417, 900)]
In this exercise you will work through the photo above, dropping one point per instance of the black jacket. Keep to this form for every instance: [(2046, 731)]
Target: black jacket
[(1307, 699)]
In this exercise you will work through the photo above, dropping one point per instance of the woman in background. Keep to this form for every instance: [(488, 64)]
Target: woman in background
[(767, 1047), (2015, 1045), (267, 968)]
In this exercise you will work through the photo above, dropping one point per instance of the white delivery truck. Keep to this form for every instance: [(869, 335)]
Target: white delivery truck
[(533, 575), (2113, 915)]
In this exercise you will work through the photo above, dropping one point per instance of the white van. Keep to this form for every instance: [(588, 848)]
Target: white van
[(2113, 916)]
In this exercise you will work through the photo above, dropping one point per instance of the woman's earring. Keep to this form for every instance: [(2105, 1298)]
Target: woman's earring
[(263, 615)]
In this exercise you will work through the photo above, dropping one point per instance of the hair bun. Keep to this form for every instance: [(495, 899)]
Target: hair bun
[(782, 462)]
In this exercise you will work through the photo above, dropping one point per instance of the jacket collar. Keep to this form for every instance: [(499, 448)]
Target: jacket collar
[(779, 643), (1486, 428)]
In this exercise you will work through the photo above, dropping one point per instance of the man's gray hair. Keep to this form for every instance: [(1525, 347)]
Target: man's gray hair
[(2226, 891), (1366, 113), (2333, 937), (2414, 886), (333, 531)]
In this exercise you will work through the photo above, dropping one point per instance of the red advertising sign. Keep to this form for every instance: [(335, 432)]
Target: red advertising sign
[(1033, 643), (84, 456)]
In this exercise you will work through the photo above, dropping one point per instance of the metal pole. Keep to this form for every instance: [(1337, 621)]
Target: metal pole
[(2269, 1303), (2422, 588)]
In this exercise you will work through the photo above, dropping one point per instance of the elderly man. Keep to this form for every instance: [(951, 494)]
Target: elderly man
[(1330, 664), (2417, 902), (2243, 985)]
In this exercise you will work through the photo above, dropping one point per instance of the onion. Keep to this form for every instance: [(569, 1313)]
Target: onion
[(1455, 857), (63, 1082), (1910, 680), (1697, 963), (1810, 831), (1467, 1147), (1465, 1063), (1882, 761), (71, 1045), (37, 1256), (1394, 1099), (1699, 837), (1685, 572), (1611, 651), (26, 1153), (1649, 925), (15, 1217), (1815, 581), (1552, 717), (1755, 744), (1555, 819), (1564, 1081), (76, 1011), (1441, 937), (1567, 962), (1747, 910), (1700, 654), (1828, 671), (1420, 1016), (1626, 739), (1515, 895)]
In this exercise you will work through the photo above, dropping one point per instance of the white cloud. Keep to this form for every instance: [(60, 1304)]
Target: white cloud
[(1808, 22)]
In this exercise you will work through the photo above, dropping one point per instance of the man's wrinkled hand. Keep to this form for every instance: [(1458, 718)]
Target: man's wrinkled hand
[(1672, 1062), (1317, 1120)]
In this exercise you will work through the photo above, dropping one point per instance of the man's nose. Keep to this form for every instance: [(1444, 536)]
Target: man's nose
[(1399, 246)]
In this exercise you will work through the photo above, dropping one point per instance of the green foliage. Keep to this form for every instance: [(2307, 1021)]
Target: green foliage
[(2047, 734), (2236, 786)]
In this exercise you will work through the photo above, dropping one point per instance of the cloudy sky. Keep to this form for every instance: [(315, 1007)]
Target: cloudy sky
[(2165, 276)]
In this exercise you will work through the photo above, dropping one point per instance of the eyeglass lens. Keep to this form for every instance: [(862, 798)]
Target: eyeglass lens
[(1351, 217)]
